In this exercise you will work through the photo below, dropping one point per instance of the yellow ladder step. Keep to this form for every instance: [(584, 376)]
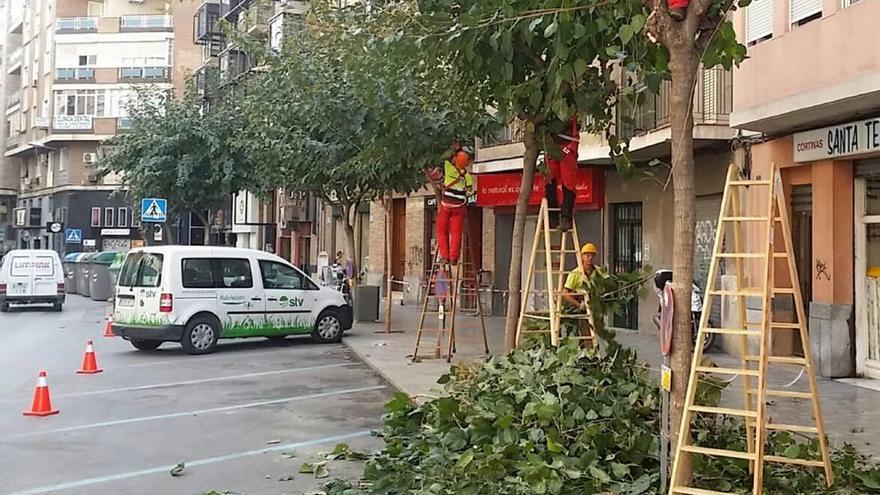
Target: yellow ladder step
[(774, 324), (725, 411), (794, 428), (780, 359), (725, 371), (741, 255), (791, 394), (732, 454), (797, 462), (749, 182), (744, 292), (686, 490), (732, 331), (748, 219)]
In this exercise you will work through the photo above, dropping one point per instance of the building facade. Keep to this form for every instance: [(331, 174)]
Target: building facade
[(820, 128), (70, 68)]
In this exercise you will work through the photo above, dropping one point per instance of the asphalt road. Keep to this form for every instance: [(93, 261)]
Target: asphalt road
[(229, 415)]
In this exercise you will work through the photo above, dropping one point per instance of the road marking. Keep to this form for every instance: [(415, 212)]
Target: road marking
[(201, 462), (198, 411), (207, 380)]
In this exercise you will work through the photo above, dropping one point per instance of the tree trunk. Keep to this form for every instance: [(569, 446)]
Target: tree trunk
[(684, 63), (348, 226), (514, 282), (204, 220), (388, 240), (168, 230)]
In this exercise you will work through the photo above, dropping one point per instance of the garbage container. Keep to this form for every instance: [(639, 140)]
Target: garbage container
[(83, 283), (116, 267), (69, 264), (366, 303), (100, 282)]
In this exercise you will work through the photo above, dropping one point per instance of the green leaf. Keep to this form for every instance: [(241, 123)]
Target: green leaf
[(793, 451), (549, 30), (464, 459), (625, 34), (580, 66), (619, 470), (599, 474)]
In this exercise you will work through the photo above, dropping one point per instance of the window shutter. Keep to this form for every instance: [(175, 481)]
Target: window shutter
[(759, 20), (710, 93), (801, 9)]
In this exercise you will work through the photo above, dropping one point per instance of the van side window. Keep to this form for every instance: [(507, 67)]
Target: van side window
[(150, 272), (129, 269), (197, 273), (234, 274), (281, 276)]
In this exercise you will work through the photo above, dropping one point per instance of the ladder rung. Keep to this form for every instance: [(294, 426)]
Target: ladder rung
[(783, 393), (783, 290), (733, 454), (780, 360), (536, 317), (726, 371), (686, 490), (747, 293), (749, 182), (741, 255), (794, 428), (535, 331), (732, 331), (748, 219), (774, 324), (570, 316), (725, 411), (799, 462)]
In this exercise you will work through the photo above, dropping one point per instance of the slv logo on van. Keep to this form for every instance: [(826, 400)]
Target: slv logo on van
[(293, 302)]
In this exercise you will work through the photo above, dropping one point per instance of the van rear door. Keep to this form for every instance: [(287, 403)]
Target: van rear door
[(45, 275), (32, 275)]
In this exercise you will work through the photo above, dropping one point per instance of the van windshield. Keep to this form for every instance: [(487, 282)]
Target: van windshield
[(141, 270), (25, 266)]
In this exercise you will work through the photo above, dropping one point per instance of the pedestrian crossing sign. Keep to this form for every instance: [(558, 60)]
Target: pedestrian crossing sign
[(154, 210), (73, 236)]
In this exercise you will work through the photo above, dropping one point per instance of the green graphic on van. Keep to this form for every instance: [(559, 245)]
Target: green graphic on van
[(139, 320), (267, 326), (293, 302)]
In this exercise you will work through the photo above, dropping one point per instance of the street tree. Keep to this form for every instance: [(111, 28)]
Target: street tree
[(704, 38), (176, 151), (341, 114), (542, 63)]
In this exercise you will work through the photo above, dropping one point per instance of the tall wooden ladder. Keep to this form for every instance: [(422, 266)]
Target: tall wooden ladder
[(754, 368), (447, 288), (551, 250)]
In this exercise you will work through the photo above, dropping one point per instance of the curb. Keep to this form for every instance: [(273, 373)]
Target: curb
[(366, 360)]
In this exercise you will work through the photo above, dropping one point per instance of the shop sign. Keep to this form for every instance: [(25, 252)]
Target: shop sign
[(854, 138), (88, 243), (109, 232), (503, 189)]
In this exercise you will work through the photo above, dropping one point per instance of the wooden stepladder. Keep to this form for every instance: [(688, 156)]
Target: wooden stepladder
[(765, 259), (549, 244), (448, 288)]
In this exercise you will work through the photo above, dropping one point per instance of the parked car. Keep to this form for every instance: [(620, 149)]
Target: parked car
[(31, 276), (196, 295)]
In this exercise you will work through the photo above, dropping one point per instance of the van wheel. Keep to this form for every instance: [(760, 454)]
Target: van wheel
[(200, 335), (4, 307), (328, 327), (146, 345), (56, 307)]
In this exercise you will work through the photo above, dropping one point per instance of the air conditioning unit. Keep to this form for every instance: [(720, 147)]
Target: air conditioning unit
[(26, 181), (135, 1), (90, 158), (92, 178)]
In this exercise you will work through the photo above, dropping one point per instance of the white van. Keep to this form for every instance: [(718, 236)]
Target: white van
[(198, 294), (31, 276)]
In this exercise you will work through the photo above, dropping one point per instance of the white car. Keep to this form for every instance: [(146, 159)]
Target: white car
[(196, 295), (31, 276)]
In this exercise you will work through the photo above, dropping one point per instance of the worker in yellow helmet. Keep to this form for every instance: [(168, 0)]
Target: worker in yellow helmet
[(577, 282)]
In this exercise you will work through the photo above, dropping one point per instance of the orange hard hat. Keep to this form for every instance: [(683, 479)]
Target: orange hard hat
[(461, 160)]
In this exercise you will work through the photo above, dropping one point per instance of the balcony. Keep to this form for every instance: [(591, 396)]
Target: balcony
[(72, 122), (12, 141), (255, 20), (713, 103), (145, 23), (75, 74), (66, 25), (144, 73), (14, 61), (123, 123), (233, 63), (205, 28), (13, 100), (206, 79)]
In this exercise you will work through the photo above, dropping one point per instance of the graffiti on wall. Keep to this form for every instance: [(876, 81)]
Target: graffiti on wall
[(704, 243), (415, 259), (822, 272)]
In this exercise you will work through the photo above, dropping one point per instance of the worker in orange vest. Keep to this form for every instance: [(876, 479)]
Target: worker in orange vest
[(678, 9), (563, 172), (458, 186)]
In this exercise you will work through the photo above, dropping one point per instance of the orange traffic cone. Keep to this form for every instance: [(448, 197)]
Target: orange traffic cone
[(90, 364), (42, 406), (108, 329)]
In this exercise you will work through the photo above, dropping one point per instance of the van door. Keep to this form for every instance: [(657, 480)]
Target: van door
[(32, 275), (240, 304), (290, 299), (137, 295)]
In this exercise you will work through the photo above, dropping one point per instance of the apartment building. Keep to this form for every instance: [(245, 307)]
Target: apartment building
[(630, 219), (810, 93), (71, 66), (9, 176)]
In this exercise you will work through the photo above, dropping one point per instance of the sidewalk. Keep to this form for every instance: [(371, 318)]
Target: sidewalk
[(852, 413)]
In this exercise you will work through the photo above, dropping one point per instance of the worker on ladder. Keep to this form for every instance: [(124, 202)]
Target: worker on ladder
[(458, 186), (563, 173), (578, 283)]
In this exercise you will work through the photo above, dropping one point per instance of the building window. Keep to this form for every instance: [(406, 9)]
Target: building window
[(804, 11), (108, 217), (88, 60), (62, 159), (122, 217), (95, 9), (96, 217), (759, 21), (135, 219), (64, 215), (849, 3)]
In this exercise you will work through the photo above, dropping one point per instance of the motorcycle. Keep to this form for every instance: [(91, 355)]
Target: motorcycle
[(340, 281), (660, 279)]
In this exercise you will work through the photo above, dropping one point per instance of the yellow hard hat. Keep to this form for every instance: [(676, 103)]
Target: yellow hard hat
[(589, 248)]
